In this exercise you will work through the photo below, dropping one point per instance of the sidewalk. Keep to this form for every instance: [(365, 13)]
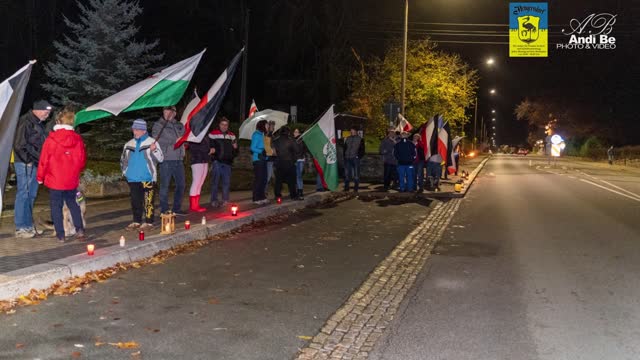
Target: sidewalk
[(106, 220)]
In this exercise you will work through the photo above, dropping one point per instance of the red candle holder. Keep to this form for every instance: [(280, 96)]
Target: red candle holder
[(279, 200), (234, 210), (187, 225), (141, 235), (90, 249)]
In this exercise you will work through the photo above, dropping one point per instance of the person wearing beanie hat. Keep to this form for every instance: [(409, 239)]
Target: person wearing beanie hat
[(138, 162), (27, 146), (167, 130)]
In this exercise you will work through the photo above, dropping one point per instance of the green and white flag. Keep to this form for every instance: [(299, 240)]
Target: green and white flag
[(164, 88), (321, 142)]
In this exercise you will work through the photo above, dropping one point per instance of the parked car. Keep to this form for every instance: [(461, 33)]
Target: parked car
[(523, 151)]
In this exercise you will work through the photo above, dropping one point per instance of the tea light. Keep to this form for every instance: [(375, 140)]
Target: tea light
[(187, 225), (141, 235), (279, 200), (122, 241), (204, 220), (90, 249), (234, 210)]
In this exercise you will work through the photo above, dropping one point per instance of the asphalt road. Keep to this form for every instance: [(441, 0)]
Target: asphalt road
[(251, 296), (542, 262)]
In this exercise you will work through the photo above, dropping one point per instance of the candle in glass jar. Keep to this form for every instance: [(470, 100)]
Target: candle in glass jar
[(122, 241), (167, 228), (204, 220), (141, 235), (90, 249), (187, 225)]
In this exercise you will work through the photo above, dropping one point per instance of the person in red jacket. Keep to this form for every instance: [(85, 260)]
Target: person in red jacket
[(62, 159)]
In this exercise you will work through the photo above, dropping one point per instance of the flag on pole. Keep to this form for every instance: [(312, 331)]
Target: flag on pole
[(164, 88), (253, 109), (190, 106), (403, 124), (11, 96), (321, 142), (200, 118), (427, 133), (444, 143)]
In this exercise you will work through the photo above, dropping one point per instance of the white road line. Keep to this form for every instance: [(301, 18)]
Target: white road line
[(611, 190), (615, 186)]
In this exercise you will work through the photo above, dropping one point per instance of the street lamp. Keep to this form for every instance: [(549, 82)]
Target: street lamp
[(493, 111), (493, 119), (490, 61), (492, 91)]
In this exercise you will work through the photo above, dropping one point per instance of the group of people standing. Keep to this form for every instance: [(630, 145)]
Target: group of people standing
[(280, 153), (54, 155), (143, 154), (405, 163)]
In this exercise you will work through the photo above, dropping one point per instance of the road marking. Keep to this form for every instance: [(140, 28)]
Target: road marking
[(611, 190), (613, 185)]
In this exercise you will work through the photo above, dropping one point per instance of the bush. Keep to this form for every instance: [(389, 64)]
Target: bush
[(593, 149)]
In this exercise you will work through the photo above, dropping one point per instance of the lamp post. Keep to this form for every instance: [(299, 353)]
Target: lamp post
[(489, 62), (404, 57)]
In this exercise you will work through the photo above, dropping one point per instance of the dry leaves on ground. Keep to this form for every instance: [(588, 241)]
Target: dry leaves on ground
[(126, 345), (76, 284)]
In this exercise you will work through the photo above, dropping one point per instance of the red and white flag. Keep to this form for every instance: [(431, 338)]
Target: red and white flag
[(427, 133), (253, 109), (403, 124), (200, 118)]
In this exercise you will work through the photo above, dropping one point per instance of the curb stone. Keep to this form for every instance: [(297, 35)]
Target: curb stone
[(353, 330), (20, 282)]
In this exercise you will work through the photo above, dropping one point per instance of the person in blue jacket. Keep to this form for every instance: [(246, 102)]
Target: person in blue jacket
[(259, 159)]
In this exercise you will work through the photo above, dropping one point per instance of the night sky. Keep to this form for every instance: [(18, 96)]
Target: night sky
[(284, 45)]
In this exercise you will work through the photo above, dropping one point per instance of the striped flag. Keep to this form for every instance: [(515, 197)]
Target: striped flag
[(427, 133), (444, 142), (253, 109), (202, 116), (160, 89), (11, 96), (403, 124), (454, 144)]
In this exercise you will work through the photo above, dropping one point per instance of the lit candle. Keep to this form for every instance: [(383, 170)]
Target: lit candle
[(122, 241), (90, 249), (141, 235), (234, 210), (204, 220), (187, 225), (167, 228), (279, 200)]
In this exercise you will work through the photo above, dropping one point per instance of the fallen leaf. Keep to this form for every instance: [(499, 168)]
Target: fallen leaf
[(135, 355), (214, 301), (57, 325), (99, 343), (19, 346), (302, 337), (76, 354), (126, 345), (78, 345)]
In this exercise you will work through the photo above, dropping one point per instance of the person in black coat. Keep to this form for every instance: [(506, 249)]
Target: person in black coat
[(285, 164), (405, 152)]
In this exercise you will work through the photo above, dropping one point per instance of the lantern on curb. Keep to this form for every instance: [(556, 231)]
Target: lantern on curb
[(141, 235), (279, 200), (122, 241), (187, 225), (90, 249), (457, 187), (168, 223), (234, 210), (204, 220)]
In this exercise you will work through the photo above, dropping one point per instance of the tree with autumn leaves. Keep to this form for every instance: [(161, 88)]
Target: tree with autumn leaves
[(437, 83)]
